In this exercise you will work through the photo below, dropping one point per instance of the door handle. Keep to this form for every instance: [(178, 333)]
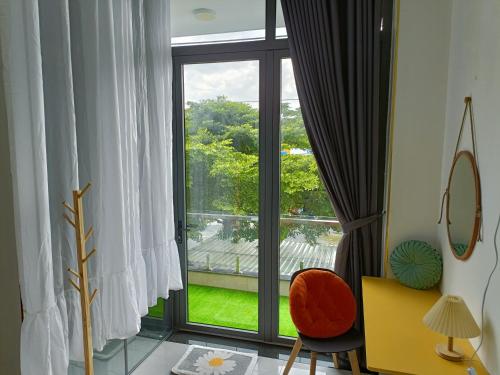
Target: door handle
[(181, 228), (179, 232)]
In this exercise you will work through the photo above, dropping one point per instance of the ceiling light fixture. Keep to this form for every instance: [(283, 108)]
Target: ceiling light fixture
[(204, 14)]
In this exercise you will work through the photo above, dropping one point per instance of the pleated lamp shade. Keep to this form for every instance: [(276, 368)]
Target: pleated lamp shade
[(451, 317)]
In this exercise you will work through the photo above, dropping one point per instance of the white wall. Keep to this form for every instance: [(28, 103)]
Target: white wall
[(10, 310), (419, 117), (474, 69), (448, 50)]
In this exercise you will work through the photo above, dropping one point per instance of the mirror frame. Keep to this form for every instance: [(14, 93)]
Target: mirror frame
[(477, 220)]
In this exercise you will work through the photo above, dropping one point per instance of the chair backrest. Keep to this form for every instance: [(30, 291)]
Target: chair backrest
[(297, 273), (322, 305)]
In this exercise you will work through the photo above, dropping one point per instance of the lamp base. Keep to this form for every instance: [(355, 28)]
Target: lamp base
[(455, 355)]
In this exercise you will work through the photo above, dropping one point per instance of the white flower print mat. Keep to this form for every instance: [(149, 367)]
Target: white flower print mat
[(202, 360)]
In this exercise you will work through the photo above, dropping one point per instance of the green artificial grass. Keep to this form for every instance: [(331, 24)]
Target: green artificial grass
[(156, 311), (232, 308), (286, 326), (228, 308)]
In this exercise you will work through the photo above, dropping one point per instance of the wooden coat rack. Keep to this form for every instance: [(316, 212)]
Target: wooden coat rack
[(83, 282)]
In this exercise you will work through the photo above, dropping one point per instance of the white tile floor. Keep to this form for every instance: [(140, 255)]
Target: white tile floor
[(168, 353), (112, 360)]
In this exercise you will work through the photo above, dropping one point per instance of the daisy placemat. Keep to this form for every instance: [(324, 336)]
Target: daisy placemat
[(201, 360)]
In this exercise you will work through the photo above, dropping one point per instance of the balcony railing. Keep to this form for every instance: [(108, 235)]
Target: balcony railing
[(255, 218), (219, 246)]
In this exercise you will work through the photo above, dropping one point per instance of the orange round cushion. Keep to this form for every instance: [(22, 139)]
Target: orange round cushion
[(321, 304)]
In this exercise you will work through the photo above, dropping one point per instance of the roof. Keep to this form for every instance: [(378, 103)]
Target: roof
[(220, 256)]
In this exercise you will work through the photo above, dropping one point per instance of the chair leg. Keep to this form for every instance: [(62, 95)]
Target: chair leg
[(312, 368), (293, 355), (353, 359), (335, 357)]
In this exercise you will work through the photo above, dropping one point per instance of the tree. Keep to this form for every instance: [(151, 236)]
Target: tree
[(219, 114), (293, 134), (222, 139)]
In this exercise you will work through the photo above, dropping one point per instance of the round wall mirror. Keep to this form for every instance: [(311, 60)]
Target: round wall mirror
[(464, 205)]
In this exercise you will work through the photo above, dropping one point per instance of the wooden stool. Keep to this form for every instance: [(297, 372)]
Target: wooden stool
[(318, 297), (348, 342)]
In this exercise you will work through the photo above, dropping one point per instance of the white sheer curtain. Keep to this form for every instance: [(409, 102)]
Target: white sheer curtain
[(89, 99)]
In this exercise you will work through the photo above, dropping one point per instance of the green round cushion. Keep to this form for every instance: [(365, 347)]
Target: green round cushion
[(416, 264), (460, 248)]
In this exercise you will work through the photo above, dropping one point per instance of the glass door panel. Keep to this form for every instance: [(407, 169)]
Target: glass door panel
[(309, 230), (280, 21), (221, 130)]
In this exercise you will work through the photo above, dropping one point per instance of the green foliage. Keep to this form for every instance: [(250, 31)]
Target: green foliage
[(216, 115), (237, 176), (244, 138), (293, 134), (240, 229), (222, 139)]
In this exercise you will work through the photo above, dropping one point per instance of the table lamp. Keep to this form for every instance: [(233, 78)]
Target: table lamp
[(451, 317)]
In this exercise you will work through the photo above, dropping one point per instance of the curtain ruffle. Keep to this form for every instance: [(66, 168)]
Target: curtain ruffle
[(120, 291), (115, 311), (43, 345), (163, 268)]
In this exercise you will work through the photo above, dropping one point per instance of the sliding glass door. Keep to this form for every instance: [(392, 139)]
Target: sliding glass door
[(251, 206), (221, 138), (309, 231)]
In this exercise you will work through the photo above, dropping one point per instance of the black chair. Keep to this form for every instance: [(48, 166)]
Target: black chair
[(347, 342)]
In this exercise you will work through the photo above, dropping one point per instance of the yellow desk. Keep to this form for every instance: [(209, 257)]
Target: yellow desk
[(397, 342)]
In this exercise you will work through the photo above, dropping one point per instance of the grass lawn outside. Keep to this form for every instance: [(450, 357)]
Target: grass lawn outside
[(232, 308), (156, 311), (228, 308)]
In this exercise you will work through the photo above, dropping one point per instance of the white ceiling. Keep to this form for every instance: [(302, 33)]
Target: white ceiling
[(231, 16)]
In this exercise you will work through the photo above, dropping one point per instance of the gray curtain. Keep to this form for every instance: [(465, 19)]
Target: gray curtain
[(334, 47)]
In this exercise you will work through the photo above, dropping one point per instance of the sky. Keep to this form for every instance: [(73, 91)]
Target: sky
[(238, 81)]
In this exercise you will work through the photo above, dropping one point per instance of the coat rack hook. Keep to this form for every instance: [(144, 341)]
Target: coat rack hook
[(74, 273), (89, 255), (74, 285), (69, 207), (93, 296), (69, 220), (89, 233), (84, 190)]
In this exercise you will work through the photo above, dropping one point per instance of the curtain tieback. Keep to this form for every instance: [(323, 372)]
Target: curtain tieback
[(361, 222)]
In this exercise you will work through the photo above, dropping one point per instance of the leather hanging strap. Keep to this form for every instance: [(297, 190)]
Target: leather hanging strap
[(467, 110)]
